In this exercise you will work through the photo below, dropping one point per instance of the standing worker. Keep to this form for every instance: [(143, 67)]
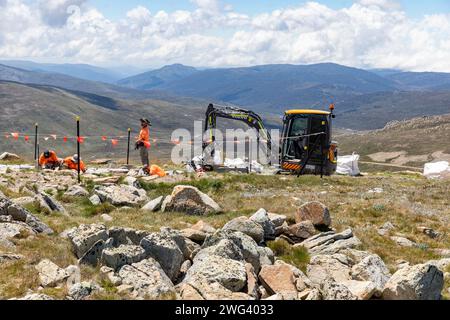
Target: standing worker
[(143, 144), (72, 163)]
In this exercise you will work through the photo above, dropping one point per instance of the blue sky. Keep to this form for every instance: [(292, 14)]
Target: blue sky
[(117, 9), (373, 34)]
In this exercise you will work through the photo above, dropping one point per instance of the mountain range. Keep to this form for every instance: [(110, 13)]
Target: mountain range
[(365, 99), (55, 110), (82, 71)]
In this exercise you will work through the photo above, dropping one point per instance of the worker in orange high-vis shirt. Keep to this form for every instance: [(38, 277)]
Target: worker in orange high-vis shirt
[(143, 143), (49, 160), (71, 163)]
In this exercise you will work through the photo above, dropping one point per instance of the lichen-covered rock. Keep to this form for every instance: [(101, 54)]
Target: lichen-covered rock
[(314, 294), (124, 254), (132, 181), (402, 241), (279, 279), (302, 282), (187, 246), (301, 231), (315, 212), (441, 264), (9, 156), (93, 255), (183, 270), (188, 293), (74, 273), (201, 289), (165, 250), (194, 235), (190, 200), (83, 290), (95, 200), (246, 226), (323, 267), (50, 203), (11, 230), (332, 290), (20, 214), (331, 242), (225, 248), (246, 244), (50, 275), (419, 282), (262, 217), (229, 273), (122, 195), (127, 236), (363, 290), (147, 280), (204, 227), (266, 256), (252, 282), (373, 269), (85, 236), (154, 205), (35, 297), (277, 219), (76, 191), (24, 201)]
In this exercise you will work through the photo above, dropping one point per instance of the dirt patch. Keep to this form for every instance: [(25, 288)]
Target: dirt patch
[(404, 159), (441, 156), (399, 157), (386, 156)]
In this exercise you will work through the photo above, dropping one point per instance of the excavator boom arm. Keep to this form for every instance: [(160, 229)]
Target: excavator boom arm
[(250, 118)]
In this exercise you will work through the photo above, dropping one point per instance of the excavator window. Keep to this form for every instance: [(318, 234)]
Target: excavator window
[(299, 127), (295, 146), (301, 134)]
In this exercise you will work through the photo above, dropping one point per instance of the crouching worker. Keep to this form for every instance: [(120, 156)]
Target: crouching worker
[(72, 163), (49, 160)]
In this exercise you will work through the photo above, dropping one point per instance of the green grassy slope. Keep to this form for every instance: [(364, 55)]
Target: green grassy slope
[(420, 140), (56, 109)]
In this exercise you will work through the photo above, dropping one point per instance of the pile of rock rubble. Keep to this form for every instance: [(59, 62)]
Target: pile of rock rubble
[(203, 263)]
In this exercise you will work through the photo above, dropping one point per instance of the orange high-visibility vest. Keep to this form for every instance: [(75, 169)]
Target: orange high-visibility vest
[(74, 166), (53, 159), (144, 136)]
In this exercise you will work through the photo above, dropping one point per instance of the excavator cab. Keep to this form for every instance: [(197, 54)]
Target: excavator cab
[(306, 143)]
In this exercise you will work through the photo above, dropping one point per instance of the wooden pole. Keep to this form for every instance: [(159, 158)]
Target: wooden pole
[(78, 149), (36, 155), (128, 147)]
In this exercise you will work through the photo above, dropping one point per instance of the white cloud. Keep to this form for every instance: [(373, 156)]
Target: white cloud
[(382, 4), (56, 12), (210, 5), (369, 33)]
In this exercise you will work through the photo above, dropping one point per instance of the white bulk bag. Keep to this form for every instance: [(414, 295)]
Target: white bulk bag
[(434, 170), (348, 165)]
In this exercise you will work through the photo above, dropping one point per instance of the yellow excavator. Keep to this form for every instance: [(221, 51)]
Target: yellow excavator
[(306, 145)]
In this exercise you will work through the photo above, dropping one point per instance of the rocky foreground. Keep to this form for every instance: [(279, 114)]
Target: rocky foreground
[(203, 263)]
